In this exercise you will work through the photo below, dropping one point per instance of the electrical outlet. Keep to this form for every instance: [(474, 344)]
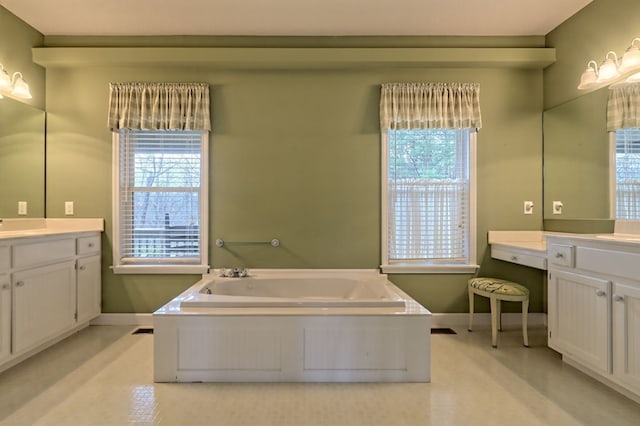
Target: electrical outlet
[(557, 207), (68, 208), (22, 208), (528, 207)]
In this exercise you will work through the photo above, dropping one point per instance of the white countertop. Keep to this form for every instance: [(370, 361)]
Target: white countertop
[(534, 241), (24, 228)]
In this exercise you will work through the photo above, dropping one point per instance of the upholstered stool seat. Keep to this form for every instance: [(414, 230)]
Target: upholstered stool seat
[(497, 290)]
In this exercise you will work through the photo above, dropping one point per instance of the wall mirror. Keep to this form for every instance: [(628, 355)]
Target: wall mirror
[(576, 158), (22, 159)]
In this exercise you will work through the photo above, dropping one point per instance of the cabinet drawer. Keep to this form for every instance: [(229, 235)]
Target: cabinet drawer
[(89, 245), (5, 259), (561, 254), (538, 262), (610, 262), (43, 252)]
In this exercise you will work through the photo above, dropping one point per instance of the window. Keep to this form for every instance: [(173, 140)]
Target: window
[(627, 174), (160, 201), (429, 200), (428, 176)]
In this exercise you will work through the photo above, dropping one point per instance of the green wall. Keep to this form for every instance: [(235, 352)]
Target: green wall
[(601, 26), (295, 154), (15, 54)]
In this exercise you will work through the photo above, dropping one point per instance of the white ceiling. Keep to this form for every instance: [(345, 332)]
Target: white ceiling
[(295, 17)]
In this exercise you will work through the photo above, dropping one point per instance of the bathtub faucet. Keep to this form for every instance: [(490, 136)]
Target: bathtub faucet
[(235, 272)]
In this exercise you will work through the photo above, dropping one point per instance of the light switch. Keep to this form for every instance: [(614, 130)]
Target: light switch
[(22, 208)]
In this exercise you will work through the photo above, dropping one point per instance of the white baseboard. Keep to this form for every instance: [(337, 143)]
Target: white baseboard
[(484, 319), (437, 320), (124, 319)]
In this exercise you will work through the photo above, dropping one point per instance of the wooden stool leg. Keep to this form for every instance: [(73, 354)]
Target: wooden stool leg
[(494, 321), (499, 305), (525, 310), (470, 309)]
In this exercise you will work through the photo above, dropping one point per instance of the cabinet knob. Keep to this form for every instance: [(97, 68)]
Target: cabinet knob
[(514, 258), (559, 255), (618, 298), (90, 245), (82, 268), (6, 286), (20, 284), (600, 293)]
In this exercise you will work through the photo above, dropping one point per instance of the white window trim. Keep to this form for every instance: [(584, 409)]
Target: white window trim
[(159, 268), (425, 267), (612, 175)]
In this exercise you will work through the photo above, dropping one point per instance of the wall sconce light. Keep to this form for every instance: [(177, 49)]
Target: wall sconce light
[(613, 70), (608, 68), (589, 77), (14, 85)]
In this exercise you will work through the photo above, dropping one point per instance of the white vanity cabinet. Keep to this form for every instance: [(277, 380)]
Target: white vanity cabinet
[(44, 304), (5, 304), (594, 307), (88, 287), (49, 288), (579, 325), (626, 334)]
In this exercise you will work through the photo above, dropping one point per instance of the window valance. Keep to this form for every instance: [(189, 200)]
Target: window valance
[(623, 107), (159, 106), (406, 106)]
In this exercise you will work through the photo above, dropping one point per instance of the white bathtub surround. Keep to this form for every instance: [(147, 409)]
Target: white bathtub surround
[(329, 337)]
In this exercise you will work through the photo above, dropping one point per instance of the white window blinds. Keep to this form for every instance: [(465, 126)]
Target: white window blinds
[(160, 196), (428, 195)]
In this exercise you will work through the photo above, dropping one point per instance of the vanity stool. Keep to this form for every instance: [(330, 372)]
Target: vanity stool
[(497, 290)]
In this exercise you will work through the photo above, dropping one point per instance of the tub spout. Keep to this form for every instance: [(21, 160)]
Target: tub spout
[(235, 272)]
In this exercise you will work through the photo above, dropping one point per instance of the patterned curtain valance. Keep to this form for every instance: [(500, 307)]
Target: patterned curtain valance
[(159, 106), (623, 107), (430, 106)]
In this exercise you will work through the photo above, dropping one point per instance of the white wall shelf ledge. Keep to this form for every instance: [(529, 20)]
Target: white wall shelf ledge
[(296, 57)]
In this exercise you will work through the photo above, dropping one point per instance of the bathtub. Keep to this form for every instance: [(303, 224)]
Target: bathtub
[(293, 325), (295, 290)]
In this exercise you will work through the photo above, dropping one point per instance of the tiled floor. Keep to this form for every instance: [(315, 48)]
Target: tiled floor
[(103, 376)]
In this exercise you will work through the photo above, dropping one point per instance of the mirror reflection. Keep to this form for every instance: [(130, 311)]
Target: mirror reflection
[(576, 158), (22, 159)]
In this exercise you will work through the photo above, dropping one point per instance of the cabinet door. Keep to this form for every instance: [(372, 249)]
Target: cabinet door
[(580, 323), (5, 317), (89, 289), (626, 335), (44, 304)]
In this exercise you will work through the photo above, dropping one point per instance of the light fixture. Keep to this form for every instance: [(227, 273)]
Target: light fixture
[(14, 85), (626, 70), (5, 80), (589, 77), (608, 68), (631, 58), (633, 78), (20, 87)]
